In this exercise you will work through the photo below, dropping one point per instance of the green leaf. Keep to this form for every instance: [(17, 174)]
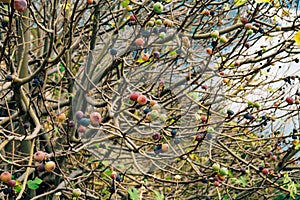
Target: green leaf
[(282, 196), (18, 188), (262, 164), (125, 3), (242, 180), (32, 185), (194, 95), (56, 130), (267, 190), (293, 189), (72, 183), (297, 147), (133, 193), (158, 195), (240, 2), (234, 196), (172, 53), (286, 178), (107, 173), (61, 68), (38, 180), (230, 174), (291, 186), (121, 166)]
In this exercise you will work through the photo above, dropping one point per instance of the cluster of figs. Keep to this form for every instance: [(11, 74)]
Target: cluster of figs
[(45, 164), (84, 120)]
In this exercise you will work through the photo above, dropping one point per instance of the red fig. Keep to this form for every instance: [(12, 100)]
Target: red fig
[(20, 5)]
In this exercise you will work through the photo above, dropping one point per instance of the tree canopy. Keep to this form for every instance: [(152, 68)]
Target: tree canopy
[(150, 99)]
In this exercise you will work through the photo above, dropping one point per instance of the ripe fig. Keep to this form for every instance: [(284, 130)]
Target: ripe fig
[(5, 177), (50, 166), (39, 156), (20, 5)]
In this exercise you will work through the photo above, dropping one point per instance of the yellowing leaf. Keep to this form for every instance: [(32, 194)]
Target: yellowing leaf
[(297, 38), (263, 72), (198, 117), (65, 6), (285, 12), (271, 90), (262, 1), (112, 24), (240, 88), (240, 2), (276, 3), (194, 157), (226, 6)]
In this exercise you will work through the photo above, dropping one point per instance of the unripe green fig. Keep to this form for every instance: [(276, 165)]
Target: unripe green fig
[(158, 22), (224, 171), (250, 32), (216, 167), (223, 39), (214, 34), (158, 7)]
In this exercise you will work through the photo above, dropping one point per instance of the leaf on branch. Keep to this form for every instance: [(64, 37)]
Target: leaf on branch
[(65, 6), (198, 117), (158, 195), (194, 95), (285, 13), (34, 184), (240, 2), (262, 1), (133, 193), (297, 147), (38, 180), (297, 38), (18, 188), (293, 189), (172, 53), (125, 3)]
